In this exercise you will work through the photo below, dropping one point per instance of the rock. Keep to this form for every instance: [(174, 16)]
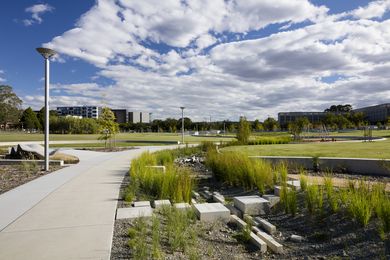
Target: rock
[(296, 238), (211, 212), (252, 205)]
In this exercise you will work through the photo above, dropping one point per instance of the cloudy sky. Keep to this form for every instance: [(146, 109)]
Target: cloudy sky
[(219, 58)]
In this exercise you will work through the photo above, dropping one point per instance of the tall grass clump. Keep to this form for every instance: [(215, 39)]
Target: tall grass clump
[(311, 198), (156, 238), (383, 212), (330, 194), (282, 169), (207, 146), (238, 169), (175, 184), (359, 203), (303, 179), (288, 198), (138, 239)]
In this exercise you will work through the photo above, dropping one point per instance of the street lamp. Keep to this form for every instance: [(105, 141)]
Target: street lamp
[(46, 53), (182, 124)]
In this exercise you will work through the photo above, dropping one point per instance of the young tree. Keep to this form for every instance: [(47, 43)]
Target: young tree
[(297, 127), (243, 131), (9, 106), (29, 119), (107, 125), (270, 124)]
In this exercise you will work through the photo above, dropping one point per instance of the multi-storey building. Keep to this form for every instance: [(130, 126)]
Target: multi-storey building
[(374, 114), (83, 111)]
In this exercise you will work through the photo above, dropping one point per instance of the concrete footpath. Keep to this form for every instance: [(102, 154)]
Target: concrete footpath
[(68, 214)]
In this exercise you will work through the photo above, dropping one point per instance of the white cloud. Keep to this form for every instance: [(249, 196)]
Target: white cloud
[(36, 12), (255, 78), (2, 79), (372, 10)]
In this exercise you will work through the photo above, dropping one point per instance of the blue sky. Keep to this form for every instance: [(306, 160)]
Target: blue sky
[(219, 58)]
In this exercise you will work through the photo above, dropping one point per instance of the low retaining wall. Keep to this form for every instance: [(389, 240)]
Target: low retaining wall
[(39, 162), (364, 166)]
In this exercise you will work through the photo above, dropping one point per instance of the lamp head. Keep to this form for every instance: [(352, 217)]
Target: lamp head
[(46, 53), (182, 107)]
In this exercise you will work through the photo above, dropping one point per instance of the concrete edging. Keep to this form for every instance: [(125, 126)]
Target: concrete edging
[(364, 166), (39, 162)]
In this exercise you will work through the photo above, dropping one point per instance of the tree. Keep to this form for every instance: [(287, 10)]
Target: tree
[(29, 119), (270, 124), (339, 108), (243, 131), (9, 106), (107, 125), (297, 127)]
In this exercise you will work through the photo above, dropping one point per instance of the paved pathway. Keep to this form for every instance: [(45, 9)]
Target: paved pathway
[(68, 214)]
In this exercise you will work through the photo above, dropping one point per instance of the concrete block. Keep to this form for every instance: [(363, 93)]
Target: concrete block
[(237, 221), (271, 242), (160, 203), (195, 195), (264, 224), (252, 205), (258, 242), (277, 190), (218, 198), (193, 201), (296, 238), (234, 210), (182, 206), (206, 194), (132, 213), (141, 203), (273, 199), (212, 211), (295, 184)]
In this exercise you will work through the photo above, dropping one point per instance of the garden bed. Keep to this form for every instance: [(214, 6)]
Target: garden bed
[(12, 176), (325, 234)]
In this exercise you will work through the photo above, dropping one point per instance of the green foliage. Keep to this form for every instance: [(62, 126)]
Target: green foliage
[(303, 180), (243, 131), (179, 228), (31, 167), (359, 207), (138, 239), (237, 169), (29, 119), (270, 124), (330, 194), (207, 146), (71, 125), (175, 184), (107, 125), (156, 238), (312, 198), (296, 127), (266, 140), (9, 105)]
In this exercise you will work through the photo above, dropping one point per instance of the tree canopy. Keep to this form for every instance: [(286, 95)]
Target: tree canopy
[(339, 108), (107, 125), (243, 131), (30, 120), (9, 105)]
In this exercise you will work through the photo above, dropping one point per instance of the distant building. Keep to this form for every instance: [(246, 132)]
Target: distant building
[(121, 115), (284, 118), (145, 117), (134, 117), (375, 114), (83, 111)]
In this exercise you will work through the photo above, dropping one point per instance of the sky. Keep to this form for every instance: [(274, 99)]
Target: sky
[(221, 59)]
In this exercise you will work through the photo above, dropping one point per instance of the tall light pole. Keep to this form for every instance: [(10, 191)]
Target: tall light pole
[(182, 124), (46, 53)]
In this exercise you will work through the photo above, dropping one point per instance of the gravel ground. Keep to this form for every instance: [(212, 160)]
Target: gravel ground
[(12, 176)]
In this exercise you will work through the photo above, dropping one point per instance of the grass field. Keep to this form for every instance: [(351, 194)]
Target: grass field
[(15, 137), (379, 149)]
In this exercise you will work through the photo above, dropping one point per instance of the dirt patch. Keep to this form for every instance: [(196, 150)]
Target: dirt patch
[(12, 176)]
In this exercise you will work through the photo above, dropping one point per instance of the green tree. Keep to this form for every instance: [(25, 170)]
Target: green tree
[(270, 124), (9, 106), (297, 127), (107, 125), (29, 119), (243, 131)]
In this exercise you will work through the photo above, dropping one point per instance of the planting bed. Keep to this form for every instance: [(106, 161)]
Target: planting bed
[(325, 234), (12, 176)]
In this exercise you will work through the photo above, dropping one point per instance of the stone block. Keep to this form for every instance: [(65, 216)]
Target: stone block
[(182, 206), (132, 213), (206, 194), (271, 242), (273, 199), (193, 201), (277, 190), (234, 210), (195, 195), (264, 224), (295, 184), (212, 211), (237, 221), (258, 242), (252, 205), (141, 203), (160, 203), (218, 198)]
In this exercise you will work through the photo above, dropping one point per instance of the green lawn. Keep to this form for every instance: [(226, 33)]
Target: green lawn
[(15, 137), (380, 149)]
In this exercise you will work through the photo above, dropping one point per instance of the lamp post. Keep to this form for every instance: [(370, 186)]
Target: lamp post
[(182, 124), (46, 53)]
